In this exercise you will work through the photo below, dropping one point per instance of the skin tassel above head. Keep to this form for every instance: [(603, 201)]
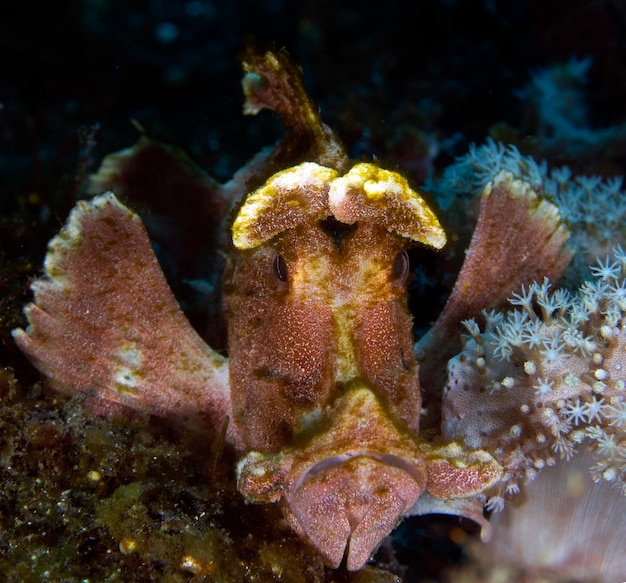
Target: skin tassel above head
[(323, 392)]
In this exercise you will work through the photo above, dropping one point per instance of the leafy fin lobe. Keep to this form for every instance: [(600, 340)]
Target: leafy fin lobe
[(105, 323)]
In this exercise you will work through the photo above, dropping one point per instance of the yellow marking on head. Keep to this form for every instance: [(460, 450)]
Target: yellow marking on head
[(287, 199), (310, 191), (372, 193)]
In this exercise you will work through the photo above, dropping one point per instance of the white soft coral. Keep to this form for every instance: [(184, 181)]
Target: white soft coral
[(549, 377)]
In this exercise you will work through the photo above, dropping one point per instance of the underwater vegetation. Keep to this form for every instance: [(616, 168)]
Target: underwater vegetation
[(292, 447)]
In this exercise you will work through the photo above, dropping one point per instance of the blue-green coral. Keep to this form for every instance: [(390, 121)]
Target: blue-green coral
[(593, 208), (555, 95)]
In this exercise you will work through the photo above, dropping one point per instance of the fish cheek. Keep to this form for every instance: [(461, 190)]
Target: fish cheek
[(383, 341), (279, 348), (385, 357)]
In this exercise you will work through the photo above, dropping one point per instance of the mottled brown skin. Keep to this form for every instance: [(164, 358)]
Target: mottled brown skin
[(278, 346), (324, 384), (383, 339), (104, 323), (340, 313)]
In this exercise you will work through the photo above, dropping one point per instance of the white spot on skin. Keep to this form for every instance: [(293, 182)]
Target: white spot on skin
[(259, 472), (338, 200), (296, 178), (127, 377), (378, 189), (125, 380), (130, 355)]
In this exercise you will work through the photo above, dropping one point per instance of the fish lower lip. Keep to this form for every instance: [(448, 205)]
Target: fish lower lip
[(348, 503)]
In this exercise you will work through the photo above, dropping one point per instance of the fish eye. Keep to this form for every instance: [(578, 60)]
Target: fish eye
[(279, 267), (400, 270)]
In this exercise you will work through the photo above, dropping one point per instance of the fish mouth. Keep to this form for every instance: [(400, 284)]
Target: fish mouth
[(347, 504), (346, 487)]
